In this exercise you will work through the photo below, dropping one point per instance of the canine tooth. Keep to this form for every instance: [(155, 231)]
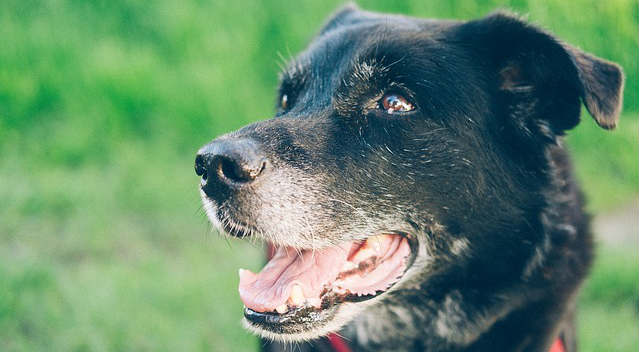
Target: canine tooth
[(283, 308), (297, 296)]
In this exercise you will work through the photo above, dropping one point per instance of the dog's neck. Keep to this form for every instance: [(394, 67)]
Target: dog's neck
[(430, 325), (457, 321), (462, 316)]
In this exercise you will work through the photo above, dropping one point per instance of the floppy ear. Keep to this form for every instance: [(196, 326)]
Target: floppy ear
[(542, 81), (602, 86)]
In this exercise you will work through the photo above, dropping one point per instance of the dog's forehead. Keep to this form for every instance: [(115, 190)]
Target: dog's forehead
[(334, 49), (336, 53)]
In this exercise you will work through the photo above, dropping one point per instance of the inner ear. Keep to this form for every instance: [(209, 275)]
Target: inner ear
[(540, 90), (512, 77)]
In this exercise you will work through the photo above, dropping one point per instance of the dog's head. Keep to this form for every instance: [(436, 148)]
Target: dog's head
[(401, 148)]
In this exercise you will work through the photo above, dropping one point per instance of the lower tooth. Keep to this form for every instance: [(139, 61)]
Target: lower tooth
[(297, 296), (282, 309), (314, 302)]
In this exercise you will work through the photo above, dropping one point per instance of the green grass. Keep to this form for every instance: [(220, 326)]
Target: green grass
[(607, 161), (103, 244), (607, 310), (116, 259)]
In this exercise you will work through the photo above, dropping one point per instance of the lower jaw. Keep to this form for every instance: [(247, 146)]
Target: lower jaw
[(298, 321)]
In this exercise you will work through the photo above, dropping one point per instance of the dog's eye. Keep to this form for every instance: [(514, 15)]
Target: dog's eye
[(392, 103), (284, 102)]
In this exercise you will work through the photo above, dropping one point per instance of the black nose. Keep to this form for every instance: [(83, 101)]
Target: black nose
[(229, 163)]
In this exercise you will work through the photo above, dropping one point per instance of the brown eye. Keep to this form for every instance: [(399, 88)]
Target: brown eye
[(392, 103), (284, 102)]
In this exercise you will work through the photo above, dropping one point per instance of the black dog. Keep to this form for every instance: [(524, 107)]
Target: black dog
[(414, 187)]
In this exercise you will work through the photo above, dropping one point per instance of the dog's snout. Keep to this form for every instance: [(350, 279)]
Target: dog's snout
[(229, 162)]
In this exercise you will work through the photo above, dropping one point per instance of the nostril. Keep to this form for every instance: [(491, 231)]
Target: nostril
[(228, 169), (200, 166), (238, 173)]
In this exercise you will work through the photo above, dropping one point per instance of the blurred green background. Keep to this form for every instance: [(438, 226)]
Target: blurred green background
[(103, 242)]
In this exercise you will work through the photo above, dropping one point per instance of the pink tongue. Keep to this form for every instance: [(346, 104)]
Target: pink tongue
[(310, 269)]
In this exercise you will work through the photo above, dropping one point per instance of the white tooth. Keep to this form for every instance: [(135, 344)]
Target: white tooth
[(372, 247), (363, 253), (297, 296), (282, 308), (315, 302), (375, 242)]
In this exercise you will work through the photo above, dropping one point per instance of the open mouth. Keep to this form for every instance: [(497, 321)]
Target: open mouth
[(303, 285)]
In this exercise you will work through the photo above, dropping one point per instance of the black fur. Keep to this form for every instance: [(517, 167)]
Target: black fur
[(477, 173)]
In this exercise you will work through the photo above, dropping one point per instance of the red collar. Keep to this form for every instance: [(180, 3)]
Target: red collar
[(339, 344), (558, 346)]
